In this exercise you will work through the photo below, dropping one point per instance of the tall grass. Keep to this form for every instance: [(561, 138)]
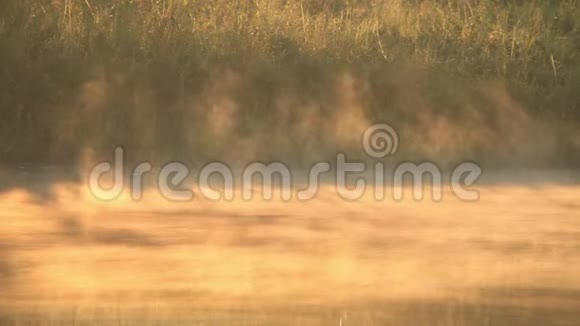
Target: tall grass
[(142, 65)]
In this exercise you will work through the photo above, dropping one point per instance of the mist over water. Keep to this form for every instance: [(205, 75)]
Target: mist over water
[(510, 258)]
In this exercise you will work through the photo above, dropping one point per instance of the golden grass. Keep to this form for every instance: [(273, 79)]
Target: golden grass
[(147, 74)]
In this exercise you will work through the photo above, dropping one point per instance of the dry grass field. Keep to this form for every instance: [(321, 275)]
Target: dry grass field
[(492, 81)]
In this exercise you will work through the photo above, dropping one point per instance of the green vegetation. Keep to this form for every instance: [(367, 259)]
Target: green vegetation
[(199, 74)]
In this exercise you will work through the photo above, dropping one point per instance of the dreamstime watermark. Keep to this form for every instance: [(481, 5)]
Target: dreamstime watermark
[(379, 141)]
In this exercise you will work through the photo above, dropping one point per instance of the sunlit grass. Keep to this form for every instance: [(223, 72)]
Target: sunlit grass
[(152, 70)]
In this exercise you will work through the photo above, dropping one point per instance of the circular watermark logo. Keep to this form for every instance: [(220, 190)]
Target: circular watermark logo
[(380, 141)]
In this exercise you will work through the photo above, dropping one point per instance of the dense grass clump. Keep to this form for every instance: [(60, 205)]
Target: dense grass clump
[(173, 78)]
